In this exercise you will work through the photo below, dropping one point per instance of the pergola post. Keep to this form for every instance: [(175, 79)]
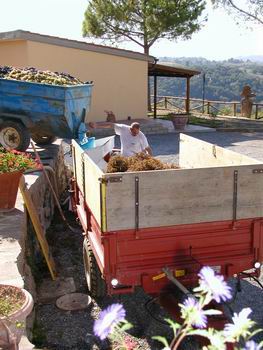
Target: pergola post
[(155, 96), (187, 101), (159, 70)]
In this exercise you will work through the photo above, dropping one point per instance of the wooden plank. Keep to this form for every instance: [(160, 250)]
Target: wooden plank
[(85, 168), (184, 196), (40, 233), (92, 174), (196, 153), (250, 192), (77, 159)]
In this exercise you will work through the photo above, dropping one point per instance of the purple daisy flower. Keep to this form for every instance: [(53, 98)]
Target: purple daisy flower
[(241, 325), (251, 345), (214, 284), (192, 311), (109, 318)]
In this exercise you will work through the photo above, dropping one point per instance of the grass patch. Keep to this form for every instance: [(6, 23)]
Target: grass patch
[(209, 122), (38, 335)]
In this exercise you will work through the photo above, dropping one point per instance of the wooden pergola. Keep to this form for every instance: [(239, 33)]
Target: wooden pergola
[(177, 71)]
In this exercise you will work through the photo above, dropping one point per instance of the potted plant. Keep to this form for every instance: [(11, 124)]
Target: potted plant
[(15, 305), (12, 166), (179, 120)]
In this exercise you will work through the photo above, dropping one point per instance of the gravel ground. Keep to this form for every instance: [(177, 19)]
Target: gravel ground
[(61, 330), (166, 147)]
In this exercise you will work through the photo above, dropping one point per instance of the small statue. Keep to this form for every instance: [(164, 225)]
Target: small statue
[(110, 117), (246, 101)]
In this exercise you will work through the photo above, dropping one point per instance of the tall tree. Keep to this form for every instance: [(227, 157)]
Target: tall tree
[(142, 21), (248, 9)]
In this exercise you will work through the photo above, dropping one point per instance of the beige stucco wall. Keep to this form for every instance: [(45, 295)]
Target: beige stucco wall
[(13, 53), (120, 83)]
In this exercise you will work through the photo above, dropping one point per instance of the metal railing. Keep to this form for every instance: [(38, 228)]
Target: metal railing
[(197, 105)]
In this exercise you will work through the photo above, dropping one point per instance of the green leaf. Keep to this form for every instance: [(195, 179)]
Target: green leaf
[(200, 332), (173, 325), (126, 326), (255, 332), (161, 340)]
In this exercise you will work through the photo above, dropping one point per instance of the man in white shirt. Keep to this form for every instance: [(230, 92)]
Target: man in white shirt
[(132, 139)]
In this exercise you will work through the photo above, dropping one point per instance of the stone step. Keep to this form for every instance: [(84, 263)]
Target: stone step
[(148, 128), (240, 129)]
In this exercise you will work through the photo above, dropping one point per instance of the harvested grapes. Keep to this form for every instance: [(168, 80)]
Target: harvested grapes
[(34, 75), (138, 162)]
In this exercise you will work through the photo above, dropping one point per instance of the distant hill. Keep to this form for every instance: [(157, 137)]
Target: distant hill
[(254, 58), (224, 80)]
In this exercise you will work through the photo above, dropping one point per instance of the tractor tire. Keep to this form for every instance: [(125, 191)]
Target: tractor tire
[(43, 140), (14, 135), (96, 284)]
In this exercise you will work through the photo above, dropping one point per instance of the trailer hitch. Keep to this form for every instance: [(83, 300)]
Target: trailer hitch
[(169, 274)]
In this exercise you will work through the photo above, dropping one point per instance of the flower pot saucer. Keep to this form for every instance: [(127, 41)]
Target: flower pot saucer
[(73, 301)]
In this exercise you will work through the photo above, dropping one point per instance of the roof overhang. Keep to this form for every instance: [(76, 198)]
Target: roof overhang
[(75, 44), (161, 70)]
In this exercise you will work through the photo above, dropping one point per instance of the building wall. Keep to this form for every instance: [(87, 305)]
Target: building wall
[(120, 83), (13, 53)]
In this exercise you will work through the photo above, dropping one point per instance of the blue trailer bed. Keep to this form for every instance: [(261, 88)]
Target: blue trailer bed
[(45, 110)]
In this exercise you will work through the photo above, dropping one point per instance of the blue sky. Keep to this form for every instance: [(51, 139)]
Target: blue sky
[(220, 37)]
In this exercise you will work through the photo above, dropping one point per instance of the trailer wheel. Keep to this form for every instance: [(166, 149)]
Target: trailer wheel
[(14, 135), (42, 139), (95, 282)]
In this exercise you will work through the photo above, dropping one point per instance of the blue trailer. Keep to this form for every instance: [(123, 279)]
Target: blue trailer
[(40, 111)]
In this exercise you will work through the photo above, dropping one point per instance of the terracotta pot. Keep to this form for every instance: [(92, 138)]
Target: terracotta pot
[(9, 323), (179, 121), (9, 183)]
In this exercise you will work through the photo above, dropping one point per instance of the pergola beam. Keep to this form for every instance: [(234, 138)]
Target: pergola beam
[(157, 70)]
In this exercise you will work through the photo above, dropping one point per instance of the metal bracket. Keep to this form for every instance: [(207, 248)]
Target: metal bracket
[(257, 171), (74, 161), (235, 195), (214, 150), (83, 175), (136, 203), (112, 179)]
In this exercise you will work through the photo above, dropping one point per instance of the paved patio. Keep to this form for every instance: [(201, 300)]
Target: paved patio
[(151, 126), (14, 268)]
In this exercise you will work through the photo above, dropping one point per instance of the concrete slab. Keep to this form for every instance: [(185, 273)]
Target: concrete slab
[(188, 129), (50, 290), (12, 224), (196, 128)]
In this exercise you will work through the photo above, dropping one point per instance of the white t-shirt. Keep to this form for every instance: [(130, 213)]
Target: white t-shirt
[(130, 144)]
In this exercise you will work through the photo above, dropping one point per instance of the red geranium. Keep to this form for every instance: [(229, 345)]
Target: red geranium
[(12, 160)]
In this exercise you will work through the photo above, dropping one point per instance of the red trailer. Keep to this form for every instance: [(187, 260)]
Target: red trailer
[(208, 212)]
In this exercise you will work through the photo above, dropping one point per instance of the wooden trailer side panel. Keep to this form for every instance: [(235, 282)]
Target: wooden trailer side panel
[(77, 153), (85, 168), (196, 153), (184, 196), (92, 187)]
